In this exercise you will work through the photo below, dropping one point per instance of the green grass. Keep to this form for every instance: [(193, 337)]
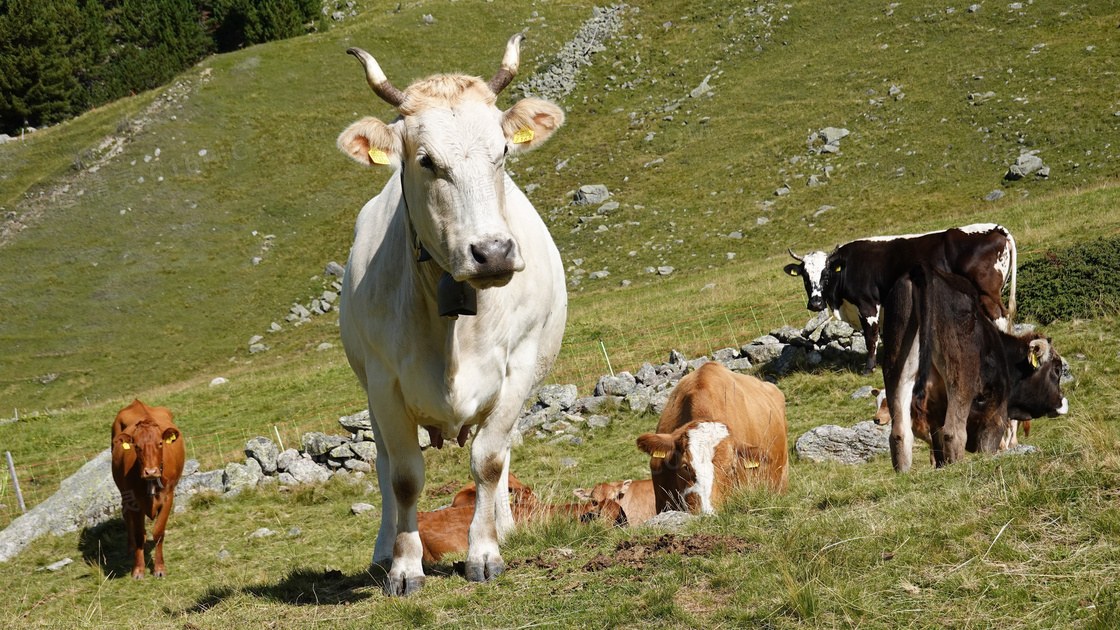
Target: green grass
[(174, 298)]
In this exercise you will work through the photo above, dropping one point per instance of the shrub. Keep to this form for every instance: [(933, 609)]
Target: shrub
[(1081, 281)]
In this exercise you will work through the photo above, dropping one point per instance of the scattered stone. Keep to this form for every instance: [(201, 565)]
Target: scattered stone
[(1019, 449), (701, 89), (359, 509), (264, 451), (568, 462), (286, 459), (56, 566), (832, 135), (223, 555), (218, 381), (862, 392), (263, 532), (665, 270), (855, 445), (598, 422), (357, 422), (671, 520), (995, 195), (590, 194), (305, 471), (1027, 164), (324, 346), (782, 190), (334, 269), (619, 385), (294, 532)]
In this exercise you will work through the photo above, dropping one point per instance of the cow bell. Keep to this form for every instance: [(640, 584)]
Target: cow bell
[(456, 298)]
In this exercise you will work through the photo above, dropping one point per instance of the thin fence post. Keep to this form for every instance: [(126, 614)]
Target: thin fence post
[(707, 339), (604, 347), (280, 441), (734, 337), (15, 481)]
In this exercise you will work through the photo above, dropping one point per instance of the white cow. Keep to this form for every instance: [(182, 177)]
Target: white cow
[(463, 218)]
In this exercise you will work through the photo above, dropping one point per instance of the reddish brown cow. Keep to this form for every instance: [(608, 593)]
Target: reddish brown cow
[(518, 493), (148, 456), (719, 430), (633, 498)]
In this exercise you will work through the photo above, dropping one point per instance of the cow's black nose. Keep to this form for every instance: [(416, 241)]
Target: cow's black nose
[(816, 304), (493, 256)]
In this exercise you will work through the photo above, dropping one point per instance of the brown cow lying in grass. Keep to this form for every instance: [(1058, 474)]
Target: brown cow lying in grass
[(445, 531), (719, 430), (633, 498), (148, 456)]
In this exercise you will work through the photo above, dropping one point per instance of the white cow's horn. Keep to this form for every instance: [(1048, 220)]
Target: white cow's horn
[(377, 79), (795, 256), (510, 62)]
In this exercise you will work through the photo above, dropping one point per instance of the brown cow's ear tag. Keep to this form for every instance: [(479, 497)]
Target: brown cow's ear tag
[(125, 445), (171, 439), (1034, 360), (658, 454), (523, 135), (752, 464), (377, 156)]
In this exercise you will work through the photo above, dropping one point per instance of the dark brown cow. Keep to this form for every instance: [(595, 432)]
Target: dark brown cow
[(719, 430), (634, 498), (854, 278), (970, 378), (148, 456), (920, 425)]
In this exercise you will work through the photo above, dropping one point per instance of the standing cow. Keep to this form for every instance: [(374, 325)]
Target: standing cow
[(970, 378), (719, 430), (854, 278), (453, 302), (148, 456)]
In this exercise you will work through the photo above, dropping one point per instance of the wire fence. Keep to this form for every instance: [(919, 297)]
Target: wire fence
[(579, 363)]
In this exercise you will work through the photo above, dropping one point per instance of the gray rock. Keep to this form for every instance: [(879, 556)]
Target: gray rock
[(832, 135), (305, 471), (365, 451), (1022, 329), (264, 451), (223, 555), (263, 532), (738, 365), (359, 509), (558, 426), (836, 330), (531, 421), (598, 422), (240, 477), (1019, 449), (56, 566), (357, 465), (317, 443), (637, 400), (677, 358), (189, 467), (665, 270), (294, 532), (786, 334), (725, 354), (357, 422), (862, 392), (620, 384), (855, 445), (595, 404), (342, 452), (285, 459), (257, 347), (213, 481), (859, 344), (1067, 373), (658, 401), (672, 520), (286, 479), (701, 89), (329, 297), (590, 194), (300, 311), (645, 374), (562, 396), (695, 364), (567, 438), (789, 356), (607, 207), (763, 353), (568, 462), (995, 195), (1026, 164), (324, 346), (334, 269), (765, 339)]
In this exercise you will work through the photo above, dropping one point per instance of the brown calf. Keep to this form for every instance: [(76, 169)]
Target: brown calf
[(148, 456), (633, 498)]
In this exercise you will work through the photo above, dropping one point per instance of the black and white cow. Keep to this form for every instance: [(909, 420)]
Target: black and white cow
[(971, 381), (853, 279)]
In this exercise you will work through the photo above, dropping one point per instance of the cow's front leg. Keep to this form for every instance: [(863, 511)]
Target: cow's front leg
[(870, 324), (134, 530), (489, 467), (1011, 436), (387, 534), (405, 482), (159, 569)]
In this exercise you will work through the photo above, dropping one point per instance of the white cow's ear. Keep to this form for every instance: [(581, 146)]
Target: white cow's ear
[(529, 123), (371, 142)]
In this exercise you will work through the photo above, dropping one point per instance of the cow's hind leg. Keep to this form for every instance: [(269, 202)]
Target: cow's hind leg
[(900, 395), (134, 530), (405, 480), (159, 569), (387, 534)]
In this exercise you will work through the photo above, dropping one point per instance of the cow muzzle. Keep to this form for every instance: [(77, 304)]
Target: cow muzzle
[(816, 303), (492, 262)]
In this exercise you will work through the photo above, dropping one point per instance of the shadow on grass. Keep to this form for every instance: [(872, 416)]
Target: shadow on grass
[(310, 587), (105, 546)]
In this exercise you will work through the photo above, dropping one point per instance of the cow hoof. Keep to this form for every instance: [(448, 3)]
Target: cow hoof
[(160, 573), (486, 570), (400, 586), (138, 575)]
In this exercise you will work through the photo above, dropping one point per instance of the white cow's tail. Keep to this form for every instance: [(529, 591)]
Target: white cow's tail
[(1013, 272)]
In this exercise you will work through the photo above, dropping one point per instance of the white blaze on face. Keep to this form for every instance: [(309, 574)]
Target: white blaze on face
[(702, 442), (814, 263)]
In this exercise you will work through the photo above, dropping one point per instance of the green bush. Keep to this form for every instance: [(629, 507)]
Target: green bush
[(1081, 281)]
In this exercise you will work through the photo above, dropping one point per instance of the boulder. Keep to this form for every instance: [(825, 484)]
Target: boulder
[(241, 477), (595, 404), (854, 445), (285, 459), (317, 443), (619, 385), (671, 521), (212, 481), (342, 452), (562, 396), (763, 353), (357, 422), (264, 451), (365, 451), (590, 194), (305, 471)]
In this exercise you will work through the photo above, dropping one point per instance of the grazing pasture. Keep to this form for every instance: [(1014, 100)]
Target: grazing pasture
[(147, 289)]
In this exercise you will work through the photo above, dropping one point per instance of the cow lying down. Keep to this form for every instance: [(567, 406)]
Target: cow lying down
[(445, 531), (970, 380), (719, 430), (633, 498)]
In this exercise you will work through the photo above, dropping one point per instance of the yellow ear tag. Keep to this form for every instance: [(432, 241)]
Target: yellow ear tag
[(377, 156), (659, 454), (752, 464), (523, 135), (1034, 360), (836, 268), (125, 445), (171, 439)]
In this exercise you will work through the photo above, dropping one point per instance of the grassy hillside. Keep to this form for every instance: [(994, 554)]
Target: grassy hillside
[(147, 288)]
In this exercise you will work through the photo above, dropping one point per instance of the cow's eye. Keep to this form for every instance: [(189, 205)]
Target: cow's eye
[(426, 162), (506, 152)]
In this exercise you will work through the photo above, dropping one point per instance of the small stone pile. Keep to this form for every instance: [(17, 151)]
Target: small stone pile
[(560, 77), (300, 314)]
